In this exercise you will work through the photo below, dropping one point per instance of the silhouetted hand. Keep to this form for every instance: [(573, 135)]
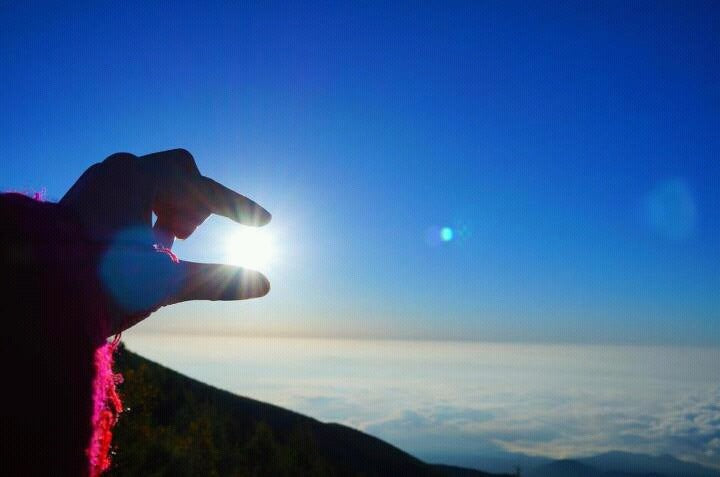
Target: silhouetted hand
[(114, 201), (75, 272)]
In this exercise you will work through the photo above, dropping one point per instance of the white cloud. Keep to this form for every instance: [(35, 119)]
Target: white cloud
[(435, 398)]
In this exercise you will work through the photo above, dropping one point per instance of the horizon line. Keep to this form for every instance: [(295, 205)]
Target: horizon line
[(412, 338)]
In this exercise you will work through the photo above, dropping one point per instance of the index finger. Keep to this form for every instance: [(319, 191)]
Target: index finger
[(223, 201), (182, 187)]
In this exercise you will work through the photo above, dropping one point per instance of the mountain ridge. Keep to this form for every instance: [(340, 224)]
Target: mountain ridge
[(179, 426)]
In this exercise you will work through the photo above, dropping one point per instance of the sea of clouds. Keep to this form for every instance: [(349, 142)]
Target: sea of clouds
[(456, 400)]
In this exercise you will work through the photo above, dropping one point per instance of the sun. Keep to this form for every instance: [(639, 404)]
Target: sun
[(250, 247)]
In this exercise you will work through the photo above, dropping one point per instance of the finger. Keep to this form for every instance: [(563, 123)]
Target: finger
[(206, 281), (228, 203), (162, 230), (174, 161), (110, 196), (139, 281), (182, 189)]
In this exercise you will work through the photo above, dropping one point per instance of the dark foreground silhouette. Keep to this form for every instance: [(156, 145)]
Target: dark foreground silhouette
[(76, 272)]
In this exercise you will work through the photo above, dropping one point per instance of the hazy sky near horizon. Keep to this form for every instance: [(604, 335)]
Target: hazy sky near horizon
[(571, 147)]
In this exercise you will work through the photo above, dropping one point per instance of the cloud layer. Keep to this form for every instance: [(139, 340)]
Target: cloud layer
[(475, 399)]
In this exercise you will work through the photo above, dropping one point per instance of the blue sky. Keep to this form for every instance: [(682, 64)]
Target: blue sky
[(571, 146)]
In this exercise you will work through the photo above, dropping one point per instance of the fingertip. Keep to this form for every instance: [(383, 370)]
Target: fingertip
[(264, 285), (248, 284), (265, 218), (258, 217)]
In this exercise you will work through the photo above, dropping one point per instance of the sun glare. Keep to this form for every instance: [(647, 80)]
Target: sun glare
[(250, 247)]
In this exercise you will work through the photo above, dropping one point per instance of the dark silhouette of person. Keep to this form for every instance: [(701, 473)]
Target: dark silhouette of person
[(84, 269)]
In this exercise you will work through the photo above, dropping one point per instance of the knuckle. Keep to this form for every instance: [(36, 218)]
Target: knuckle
[(120, 158), (184, 160)]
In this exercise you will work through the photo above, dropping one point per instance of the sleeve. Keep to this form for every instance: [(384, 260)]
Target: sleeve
[(52, 322)]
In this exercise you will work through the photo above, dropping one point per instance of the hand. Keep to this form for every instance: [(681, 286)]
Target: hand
[(114, 201)]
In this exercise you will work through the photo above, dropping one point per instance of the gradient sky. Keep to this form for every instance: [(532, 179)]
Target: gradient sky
[(572, 147)]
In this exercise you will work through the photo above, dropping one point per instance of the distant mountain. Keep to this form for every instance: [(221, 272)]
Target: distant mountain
[(177, 426), (665, 465), (499, 463), (622, 464), (566, 468)]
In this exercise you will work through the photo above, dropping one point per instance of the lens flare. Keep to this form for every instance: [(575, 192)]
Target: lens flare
[(446, 234)]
